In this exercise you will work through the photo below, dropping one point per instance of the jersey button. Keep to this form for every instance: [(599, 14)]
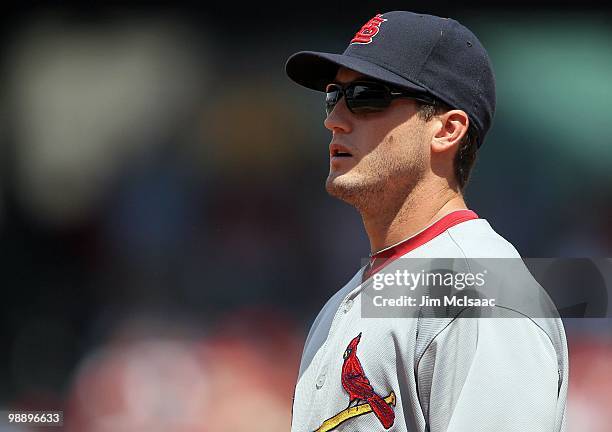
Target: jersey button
[(348, 305), (320, 381)]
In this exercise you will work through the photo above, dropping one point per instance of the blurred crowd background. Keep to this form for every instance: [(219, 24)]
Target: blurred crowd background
[(165, 236)]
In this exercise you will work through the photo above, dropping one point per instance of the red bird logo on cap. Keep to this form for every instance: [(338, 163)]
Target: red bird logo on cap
[(369, 30), (358, 386)]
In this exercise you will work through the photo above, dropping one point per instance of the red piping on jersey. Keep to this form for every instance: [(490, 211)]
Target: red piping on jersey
[(434, 230)]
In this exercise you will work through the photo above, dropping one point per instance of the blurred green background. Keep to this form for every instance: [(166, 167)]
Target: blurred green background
[(165, 236)]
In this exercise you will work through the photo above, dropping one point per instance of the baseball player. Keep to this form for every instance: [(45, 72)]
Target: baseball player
[(409, 103)]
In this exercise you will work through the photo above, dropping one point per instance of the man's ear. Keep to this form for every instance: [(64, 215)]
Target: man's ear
[(451, 128)]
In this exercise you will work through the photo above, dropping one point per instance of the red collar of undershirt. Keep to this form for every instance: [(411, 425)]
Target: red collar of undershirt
[(384, 257)]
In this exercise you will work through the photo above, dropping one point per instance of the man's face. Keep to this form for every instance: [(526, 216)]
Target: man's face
[(389, 150)]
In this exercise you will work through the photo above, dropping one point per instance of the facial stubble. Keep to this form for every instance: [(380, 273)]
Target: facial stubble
[(379, 180)]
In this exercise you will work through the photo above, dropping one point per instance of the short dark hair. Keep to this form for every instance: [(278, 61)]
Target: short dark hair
[(465, 158)]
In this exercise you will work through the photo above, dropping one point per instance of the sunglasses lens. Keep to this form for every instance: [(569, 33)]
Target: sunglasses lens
[(361, 98), (367, 98), (333, 93)]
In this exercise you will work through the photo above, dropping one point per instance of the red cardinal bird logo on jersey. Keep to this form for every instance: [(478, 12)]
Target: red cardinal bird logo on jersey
[(358, 386)]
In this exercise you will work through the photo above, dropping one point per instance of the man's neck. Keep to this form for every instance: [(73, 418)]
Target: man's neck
[(388, 225)]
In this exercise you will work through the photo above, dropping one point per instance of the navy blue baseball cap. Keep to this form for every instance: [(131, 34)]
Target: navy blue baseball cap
[(424, 53)]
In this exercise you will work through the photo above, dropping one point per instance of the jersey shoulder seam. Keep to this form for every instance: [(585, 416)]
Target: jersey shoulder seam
[(448, 324)]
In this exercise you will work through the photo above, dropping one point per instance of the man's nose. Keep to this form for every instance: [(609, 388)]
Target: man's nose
[(339, 119)]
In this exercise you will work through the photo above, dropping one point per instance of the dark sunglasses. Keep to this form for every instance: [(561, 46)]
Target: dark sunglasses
[(364, 97)]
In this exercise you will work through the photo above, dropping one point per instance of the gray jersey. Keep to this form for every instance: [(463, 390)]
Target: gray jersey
[(433, 374)]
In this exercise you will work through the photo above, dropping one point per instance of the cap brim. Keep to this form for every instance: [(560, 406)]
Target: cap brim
[(315, 70)]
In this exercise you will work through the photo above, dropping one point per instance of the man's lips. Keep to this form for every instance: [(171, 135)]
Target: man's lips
[(338, 150)]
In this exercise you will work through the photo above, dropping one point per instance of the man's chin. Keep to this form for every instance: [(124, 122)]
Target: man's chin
[(343, 186), (357, 190), (333, 182)]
